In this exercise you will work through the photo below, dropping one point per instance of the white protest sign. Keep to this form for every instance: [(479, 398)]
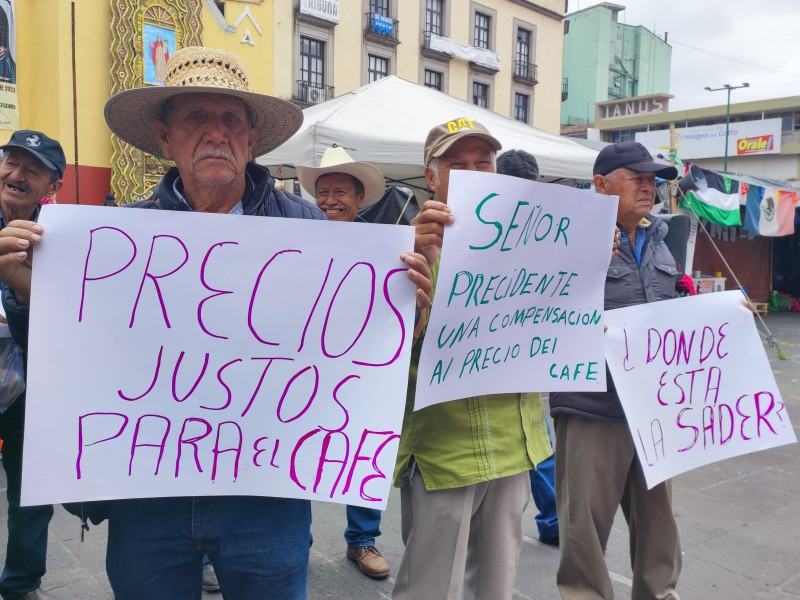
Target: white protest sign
[(179, 354), (695, 382), (519, 294)]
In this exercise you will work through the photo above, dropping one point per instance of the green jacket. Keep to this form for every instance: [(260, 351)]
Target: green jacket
[(472, 440)]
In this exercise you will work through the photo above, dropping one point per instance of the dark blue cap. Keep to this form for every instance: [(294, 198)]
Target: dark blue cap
[(46, 149), (633, 156)]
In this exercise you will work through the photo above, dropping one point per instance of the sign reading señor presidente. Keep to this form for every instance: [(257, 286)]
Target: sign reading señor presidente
[(519, 292)]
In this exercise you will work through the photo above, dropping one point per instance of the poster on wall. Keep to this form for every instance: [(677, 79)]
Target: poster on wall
[(159, 45), (9, 110)]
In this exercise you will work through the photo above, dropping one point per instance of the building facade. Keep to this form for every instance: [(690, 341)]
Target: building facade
[(504, 55), (763, 139), (608, 60)]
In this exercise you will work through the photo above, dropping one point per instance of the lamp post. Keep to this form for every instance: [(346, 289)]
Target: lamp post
[(728, 87)]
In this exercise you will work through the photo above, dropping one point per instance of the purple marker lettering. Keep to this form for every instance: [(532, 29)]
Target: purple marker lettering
[(229, 396), (399, 320), (378, 473), (210, 289), (627, 357), (196, 381), (261, 379), (323, 460), (135, 441), (357, 457), (82, 445), (258, 451), (308, 403), (336, 400), (724, 439), (255, 291), (154, 278), (152, 383), (761, 416), (652, 354), (87, 277), (681, 425), (191, 441), (722, 336), (293, 461), (366, 317), (274, 454), (314, 307), (708, 425), (745, 418), (236, 449)]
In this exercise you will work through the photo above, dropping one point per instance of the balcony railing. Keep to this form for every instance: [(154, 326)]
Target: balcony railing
[(564, 88), (432, 47), (312, 93), (382, 27), (526, 71)]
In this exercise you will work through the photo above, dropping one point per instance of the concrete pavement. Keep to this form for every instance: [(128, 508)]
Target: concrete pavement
[(739, 521)]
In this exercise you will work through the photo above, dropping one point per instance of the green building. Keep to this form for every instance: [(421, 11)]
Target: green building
[(608, 60)]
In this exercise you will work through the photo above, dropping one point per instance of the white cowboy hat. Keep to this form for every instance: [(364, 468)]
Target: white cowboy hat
[(197, 69), (336, 160)]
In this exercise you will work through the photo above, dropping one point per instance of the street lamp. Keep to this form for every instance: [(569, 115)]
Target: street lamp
[(728, 87)]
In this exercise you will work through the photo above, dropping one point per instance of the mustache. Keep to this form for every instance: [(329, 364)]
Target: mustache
[(213, 153), (17, 184)]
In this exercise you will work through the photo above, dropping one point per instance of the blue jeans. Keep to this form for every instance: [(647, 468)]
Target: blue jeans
[(363, 526), (543, 489), (26, 552), (255, 544)]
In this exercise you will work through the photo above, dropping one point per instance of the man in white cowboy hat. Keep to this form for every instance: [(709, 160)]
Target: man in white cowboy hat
[(207, 121), (341, 187)]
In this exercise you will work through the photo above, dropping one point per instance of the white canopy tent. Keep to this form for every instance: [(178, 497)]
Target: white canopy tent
[(386, 122)]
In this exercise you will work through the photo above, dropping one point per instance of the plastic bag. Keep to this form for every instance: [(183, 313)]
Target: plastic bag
[(12, 373)]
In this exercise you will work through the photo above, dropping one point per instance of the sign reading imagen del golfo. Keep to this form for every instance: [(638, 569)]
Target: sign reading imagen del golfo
[(519, 295), (182, 354), (695, 382)]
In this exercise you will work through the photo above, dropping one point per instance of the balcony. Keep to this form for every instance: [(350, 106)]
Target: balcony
[(382, 29), (433, 46), (311, 93), (526, 72)]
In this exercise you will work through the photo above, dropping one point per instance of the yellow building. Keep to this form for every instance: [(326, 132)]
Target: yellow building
[(501, 54), (71, 56)]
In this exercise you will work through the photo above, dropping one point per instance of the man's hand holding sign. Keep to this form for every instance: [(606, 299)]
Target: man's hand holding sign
[(695, 383)]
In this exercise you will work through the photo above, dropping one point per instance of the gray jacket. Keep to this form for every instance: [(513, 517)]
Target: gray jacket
[(627, 284)]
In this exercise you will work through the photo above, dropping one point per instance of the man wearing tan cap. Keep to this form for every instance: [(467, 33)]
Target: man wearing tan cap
[(463, 465), (341, 187), (207, 121)]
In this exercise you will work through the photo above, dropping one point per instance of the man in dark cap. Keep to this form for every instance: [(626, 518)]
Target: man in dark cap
[(597, 469), (32, 167)]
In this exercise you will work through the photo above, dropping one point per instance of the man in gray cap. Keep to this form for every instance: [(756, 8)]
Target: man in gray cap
[(597, 469), (31, 168)]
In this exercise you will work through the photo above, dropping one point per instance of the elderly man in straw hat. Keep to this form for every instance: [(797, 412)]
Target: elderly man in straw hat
[(205, 119), (341, 187)]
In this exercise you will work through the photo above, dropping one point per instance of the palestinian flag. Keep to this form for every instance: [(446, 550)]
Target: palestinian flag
[(718, 203)]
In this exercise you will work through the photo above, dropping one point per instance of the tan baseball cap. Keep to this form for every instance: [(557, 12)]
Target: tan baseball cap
[(443, 136)]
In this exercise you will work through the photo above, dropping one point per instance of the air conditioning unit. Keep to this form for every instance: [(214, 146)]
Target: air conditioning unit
[(315, 95)]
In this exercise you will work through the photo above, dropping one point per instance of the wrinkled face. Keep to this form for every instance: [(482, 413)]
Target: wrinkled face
[(337, 196), (467, 154), (23, 182), (636, 191), (209, 138)]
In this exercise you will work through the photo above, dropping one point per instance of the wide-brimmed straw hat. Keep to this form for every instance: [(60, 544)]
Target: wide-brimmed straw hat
[(337, 160), (197, 69)]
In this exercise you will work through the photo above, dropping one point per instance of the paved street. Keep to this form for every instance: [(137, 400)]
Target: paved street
[(739, 520)]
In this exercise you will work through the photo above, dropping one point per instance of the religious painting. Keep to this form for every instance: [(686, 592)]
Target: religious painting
[(159, 45)]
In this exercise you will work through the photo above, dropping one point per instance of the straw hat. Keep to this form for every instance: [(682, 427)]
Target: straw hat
[(197, 69), (336, 160)]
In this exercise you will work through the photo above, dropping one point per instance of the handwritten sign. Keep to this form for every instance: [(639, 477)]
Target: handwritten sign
[(519, 295), (695, 382), (177, 354)]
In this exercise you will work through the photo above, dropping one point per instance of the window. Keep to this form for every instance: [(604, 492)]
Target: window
[(379, 7), (378, 68), (521, 107), (480, 94), (482, 26), (521, 67), (312, 62), (433, 79), (434, 16)]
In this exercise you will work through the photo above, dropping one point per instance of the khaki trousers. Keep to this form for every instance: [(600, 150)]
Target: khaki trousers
[(461, 543), (596, 471)]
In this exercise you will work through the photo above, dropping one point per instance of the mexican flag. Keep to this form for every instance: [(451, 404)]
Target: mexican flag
[(718, 203)]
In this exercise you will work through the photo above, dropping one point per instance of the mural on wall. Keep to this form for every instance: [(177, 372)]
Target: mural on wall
[(146, 34)]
